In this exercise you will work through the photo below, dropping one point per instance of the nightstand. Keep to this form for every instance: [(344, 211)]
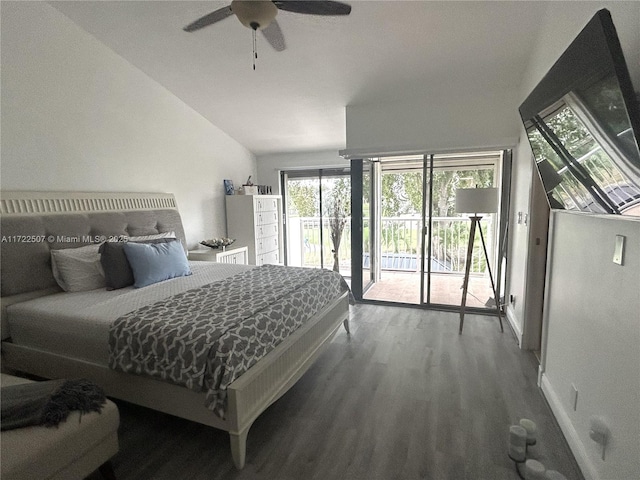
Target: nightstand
[(237, 255)]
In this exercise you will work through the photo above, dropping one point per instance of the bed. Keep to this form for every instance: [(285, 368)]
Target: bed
[(56, 334)]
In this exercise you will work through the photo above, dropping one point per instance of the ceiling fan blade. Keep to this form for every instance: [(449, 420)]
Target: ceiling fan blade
[(314, 7), (209, 19), (274, 36)]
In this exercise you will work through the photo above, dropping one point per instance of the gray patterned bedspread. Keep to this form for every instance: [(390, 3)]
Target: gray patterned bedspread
[(205, 338)]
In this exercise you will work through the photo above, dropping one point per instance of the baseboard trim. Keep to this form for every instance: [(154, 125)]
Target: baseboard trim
[(571, 435), (513, 321)]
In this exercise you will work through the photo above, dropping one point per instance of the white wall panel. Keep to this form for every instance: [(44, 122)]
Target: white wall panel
[(76, 116)]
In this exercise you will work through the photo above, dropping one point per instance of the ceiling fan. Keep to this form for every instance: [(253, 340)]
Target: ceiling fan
[(261, 14)]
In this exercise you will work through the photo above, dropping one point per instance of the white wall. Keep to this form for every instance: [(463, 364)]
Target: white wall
[(434, 123), (270, 166), (76, 116), (591, 305), (593, 339)]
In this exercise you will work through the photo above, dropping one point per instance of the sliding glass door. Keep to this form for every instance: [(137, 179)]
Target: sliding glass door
[(401, 221), (317, 207), (415, 243), (448, 231)]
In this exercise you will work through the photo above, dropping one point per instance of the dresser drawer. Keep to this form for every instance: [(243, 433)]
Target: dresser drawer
[(268, 258), (267, 230), (266, 218), (267, 244), (266, 204)]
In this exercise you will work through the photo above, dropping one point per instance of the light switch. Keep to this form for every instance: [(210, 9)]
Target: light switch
[(618, 252)]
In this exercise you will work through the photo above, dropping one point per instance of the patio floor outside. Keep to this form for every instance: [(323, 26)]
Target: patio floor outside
[(446, 289)]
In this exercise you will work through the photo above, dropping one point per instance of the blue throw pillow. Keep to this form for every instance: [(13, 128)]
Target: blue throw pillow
[(117, 271), (153, 263)]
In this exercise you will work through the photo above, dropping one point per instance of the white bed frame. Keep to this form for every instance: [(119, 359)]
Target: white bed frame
[(248, 396)]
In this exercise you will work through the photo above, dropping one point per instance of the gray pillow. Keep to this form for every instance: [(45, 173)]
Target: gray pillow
[(117, 271)]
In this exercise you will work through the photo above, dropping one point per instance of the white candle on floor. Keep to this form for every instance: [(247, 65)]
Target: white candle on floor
[(518, 454), (533, 470), (517, 443), (530, 427)]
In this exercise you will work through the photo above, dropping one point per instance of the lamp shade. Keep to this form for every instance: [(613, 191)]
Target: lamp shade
[(476, 200)]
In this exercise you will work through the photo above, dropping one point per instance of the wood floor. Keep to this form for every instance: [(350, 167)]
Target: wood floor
[(404, 397)]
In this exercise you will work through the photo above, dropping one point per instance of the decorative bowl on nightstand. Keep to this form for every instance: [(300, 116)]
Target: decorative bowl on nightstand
[(218, 242)]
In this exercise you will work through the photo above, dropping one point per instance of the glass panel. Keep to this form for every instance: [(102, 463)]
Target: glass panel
[(318, 216), (303, 222), (450, 238), (400, 219), (336, 224)]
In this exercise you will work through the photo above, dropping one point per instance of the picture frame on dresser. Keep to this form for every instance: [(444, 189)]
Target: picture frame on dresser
[(228, 187)]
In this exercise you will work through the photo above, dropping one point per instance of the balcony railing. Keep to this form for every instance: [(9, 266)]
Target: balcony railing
[(400, 244)]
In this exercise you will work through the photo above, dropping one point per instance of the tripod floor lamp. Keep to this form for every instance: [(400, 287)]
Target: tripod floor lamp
[(475, 201)]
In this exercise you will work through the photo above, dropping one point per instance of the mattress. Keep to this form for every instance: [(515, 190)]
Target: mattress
[(77, 324)]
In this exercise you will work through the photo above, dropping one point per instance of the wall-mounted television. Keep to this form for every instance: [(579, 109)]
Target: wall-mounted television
[(583, 124)]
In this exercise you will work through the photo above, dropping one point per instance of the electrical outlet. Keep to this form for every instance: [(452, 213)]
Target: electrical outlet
[(574, 397)]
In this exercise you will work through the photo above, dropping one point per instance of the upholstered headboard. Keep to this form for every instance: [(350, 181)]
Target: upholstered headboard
[(34, 223)]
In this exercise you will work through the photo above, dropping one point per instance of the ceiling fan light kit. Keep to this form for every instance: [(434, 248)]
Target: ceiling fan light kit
[(254, 14)]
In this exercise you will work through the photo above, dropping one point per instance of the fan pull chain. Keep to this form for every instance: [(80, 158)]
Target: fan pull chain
[(255, 52)]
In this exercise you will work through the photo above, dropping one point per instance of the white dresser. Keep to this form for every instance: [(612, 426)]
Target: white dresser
[(256, 221)]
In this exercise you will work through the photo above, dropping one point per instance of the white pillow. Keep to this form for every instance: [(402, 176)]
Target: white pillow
[(78, 269)]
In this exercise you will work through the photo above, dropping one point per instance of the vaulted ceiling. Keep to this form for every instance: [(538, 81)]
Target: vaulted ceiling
[(295, 100)]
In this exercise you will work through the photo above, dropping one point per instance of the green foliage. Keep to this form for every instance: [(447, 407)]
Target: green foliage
[(402, 192), (304, 201), (401, 197), (304, 198)]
